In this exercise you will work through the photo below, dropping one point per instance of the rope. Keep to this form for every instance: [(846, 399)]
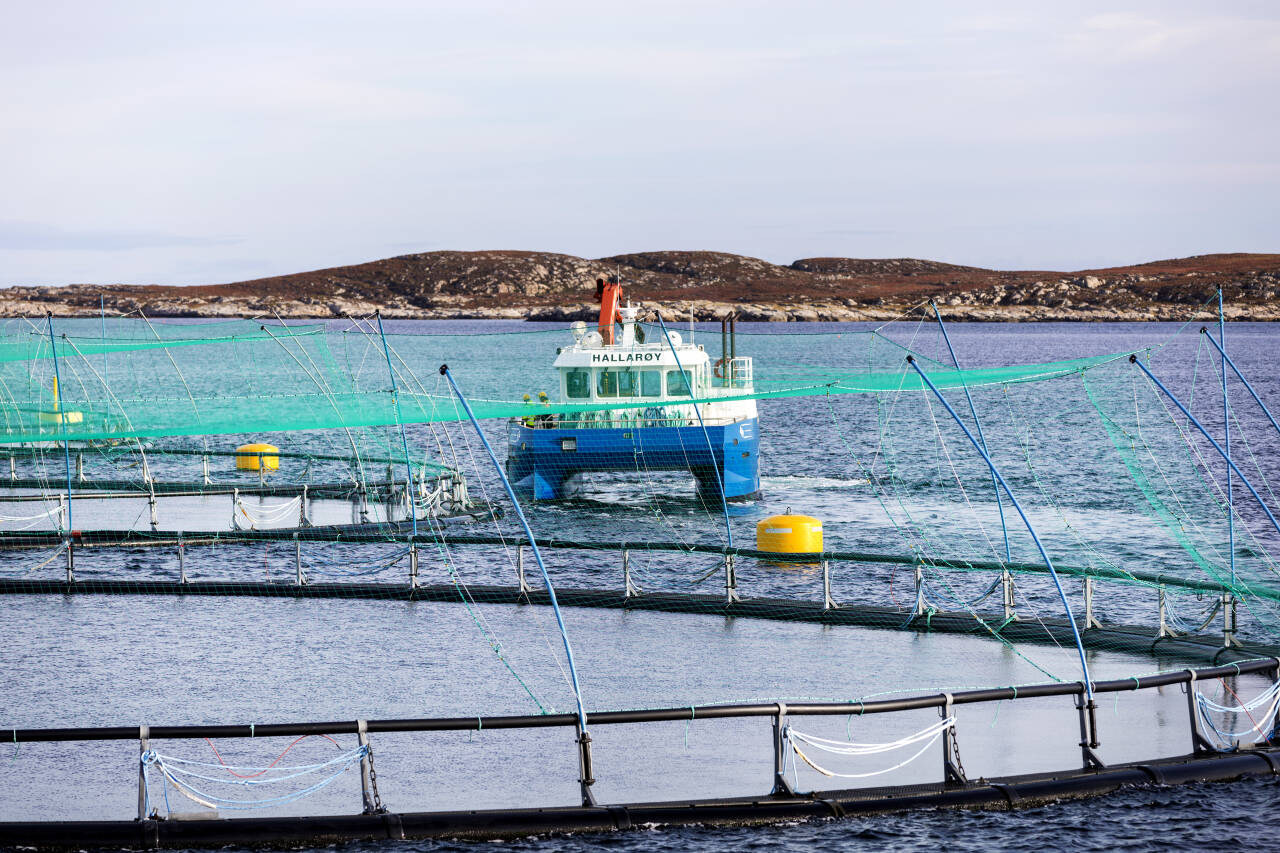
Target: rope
[(930, 735)]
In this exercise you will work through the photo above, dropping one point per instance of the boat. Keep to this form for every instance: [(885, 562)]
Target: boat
[(653, 429)]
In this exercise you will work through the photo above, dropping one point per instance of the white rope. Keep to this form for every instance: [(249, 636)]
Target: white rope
[(45, 514), (929, 735), (1267, 697)]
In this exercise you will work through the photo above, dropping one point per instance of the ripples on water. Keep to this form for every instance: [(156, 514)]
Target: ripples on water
[(815, 477)]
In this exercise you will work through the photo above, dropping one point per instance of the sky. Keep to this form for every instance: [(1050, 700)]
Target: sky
[(185, 143)]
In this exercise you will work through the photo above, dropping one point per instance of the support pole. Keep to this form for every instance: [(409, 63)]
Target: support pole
[(1089, 620), (1044, 554), (1133, 359), (828, 603), (368, 789), (1200, 745), (780, 784), (730, 580), (524, 584), (585, 778), (204, 470), (995, 487), (144, 745), (1229, 623), (1006, 595), (921, 606), (1240, 376), (952, 772), (299, 578), (182, 563), (303, 521), (1164, 629), (1087, 710), (413, 565), (80, 467), (630, 590)]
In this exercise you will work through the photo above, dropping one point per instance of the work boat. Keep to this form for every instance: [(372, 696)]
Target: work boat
[(615, 363)]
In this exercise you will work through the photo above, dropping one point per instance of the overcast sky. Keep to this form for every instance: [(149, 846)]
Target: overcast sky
[(176, 142)]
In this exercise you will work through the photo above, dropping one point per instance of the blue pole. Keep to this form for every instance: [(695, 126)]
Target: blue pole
[(1008, 558), (1133, 359), (1226, 434), (533, 544), (1240, 376), (724, 504), (404, 441), (1075, 631), (62, 422)]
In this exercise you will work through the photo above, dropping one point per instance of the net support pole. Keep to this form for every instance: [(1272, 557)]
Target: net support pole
[(724, 504), (780, 784), (182, 562), (144, 744), (1090, 621), (1133, 359), (1226, 441), (1044, 554), (995, 487), (524, 584), (585, 771), (1240, 376), (404, 439), (1087, 712), (1200, 745), (66, 446), (828, 603)]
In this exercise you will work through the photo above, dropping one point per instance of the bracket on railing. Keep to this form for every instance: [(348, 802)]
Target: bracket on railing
[(1006, 595), (1090, 621), (524, 585), (828, 603), (921, 606), (1229, 624), (413, 565), (368, 779), (182, 563)]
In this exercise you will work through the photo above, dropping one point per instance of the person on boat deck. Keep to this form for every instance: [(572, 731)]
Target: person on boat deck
[(545, 419), (529, 420)]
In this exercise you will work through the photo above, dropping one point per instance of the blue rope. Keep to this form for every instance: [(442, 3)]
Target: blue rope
[(533, 544), (1075, 631)]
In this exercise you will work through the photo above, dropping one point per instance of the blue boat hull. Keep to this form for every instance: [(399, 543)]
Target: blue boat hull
[(540, 461)]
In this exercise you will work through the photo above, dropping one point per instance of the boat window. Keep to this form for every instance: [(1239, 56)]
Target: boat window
[(678, 382), (616, 383), (651, 383), (577, 384)]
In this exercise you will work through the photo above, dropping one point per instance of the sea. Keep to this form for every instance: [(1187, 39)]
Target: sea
[(85, 660)]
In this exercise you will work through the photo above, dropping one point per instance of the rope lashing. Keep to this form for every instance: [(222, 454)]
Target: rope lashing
[(929, 735), (1269, 698)]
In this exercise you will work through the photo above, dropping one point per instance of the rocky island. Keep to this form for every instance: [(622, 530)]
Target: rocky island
[(549, 286)]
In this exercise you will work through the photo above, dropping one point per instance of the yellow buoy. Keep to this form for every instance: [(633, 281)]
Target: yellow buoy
[(789, 534), (252, 457)]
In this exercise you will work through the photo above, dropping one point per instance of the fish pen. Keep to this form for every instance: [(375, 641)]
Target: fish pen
[(347, 581)]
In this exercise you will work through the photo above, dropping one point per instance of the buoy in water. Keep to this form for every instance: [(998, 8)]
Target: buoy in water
[(254, 457), (789, 534)]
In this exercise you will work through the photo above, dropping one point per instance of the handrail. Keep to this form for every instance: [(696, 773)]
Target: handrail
[(29, 539), (655, 715)]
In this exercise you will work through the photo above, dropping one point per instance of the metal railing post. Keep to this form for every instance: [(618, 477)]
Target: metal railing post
[(413, 565), (368, 791), (780, 783), (730, 580), (1089, 620), (204, 470), (71, 559), (952, 771), (144, 744), (1200, 744), (1229, 624), (586, 773), (1165, 630), (524, 584), (1006, 594), (80, 467), (630, 590), (1087, 709), (828, 603), (920, 608), (303, 521), (182, 563), (299, 578)]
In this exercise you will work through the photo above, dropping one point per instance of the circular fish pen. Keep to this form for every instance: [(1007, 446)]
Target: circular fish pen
[(1038, 580)]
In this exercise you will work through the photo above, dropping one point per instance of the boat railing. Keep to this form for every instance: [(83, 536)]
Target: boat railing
[(592, 420)]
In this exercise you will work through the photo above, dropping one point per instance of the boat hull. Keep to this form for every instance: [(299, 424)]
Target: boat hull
[(541, 461)]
